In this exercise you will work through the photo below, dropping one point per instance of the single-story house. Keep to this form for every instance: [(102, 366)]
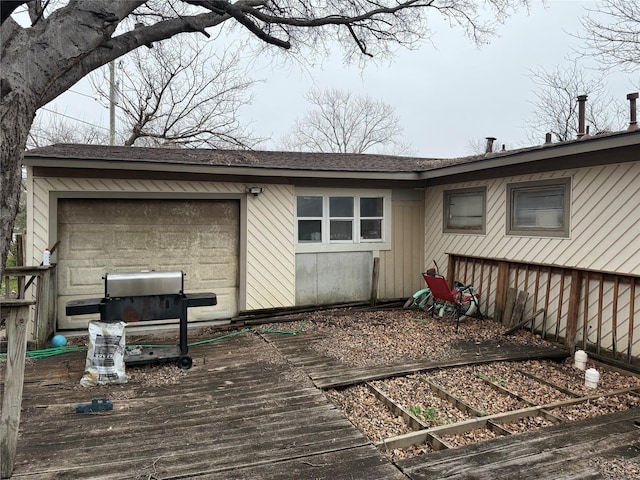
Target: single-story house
[(278, 229)]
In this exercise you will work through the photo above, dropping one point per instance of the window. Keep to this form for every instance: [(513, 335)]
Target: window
[(309, 219), (464, 210), (371, 216), (539, 208), (341, 219)]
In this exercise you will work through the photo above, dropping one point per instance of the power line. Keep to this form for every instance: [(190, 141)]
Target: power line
[(74, 119), (88, 96)]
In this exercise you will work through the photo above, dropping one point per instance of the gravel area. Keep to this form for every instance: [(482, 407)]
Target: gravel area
[(597, 407), (617, 469), (467, 438), (527, 424), (367, 413), (469, 385), (367, 339), (415, 396), (506, 374)]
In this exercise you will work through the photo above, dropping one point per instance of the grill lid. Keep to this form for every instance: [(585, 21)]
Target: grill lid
[(143, 283)]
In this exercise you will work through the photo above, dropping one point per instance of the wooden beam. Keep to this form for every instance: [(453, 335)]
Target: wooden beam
[(573, 310), (375, 275), (512, 293), (523, 323), (501, 291), (15, 313)]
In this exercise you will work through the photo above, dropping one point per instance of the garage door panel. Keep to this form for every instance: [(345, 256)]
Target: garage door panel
[(199, 237)]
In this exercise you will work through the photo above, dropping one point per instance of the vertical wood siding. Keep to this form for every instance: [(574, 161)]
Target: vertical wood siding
[(400, 267)]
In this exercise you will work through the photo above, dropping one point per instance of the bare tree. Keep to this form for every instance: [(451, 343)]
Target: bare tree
[(178, 94), (480, 146), (56, 129), (340, 121), (68, 39), (555, 107), (612, 33)]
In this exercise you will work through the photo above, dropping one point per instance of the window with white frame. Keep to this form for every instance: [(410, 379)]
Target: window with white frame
[(464, 210), (539, 208), (310, 215), (341, 219)]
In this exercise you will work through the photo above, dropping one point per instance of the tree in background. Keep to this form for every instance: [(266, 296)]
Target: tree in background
[(612, 33), (53, 129), (179, 94), (555, 107), (480, 146), (342, 122), (68, 39)]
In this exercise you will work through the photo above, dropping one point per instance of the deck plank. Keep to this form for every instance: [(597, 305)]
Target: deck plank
[(559, 452), (240, 412), (327, 372)]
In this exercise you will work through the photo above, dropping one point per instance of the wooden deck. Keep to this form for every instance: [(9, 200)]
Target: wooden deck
[(326, 372), (240, 412), (247, 410), (560, 452)]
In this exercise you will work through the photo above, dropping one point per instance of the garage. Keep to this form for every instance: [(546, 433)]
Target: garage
[(103, 235)]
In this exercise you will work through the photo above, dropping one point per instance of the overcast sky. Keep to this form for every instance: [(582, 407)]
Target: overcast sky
[(447, 94)]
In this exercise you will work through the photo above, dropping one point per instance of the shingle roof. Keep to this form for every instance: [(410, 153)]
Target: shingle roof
[(247, 158), (301, 161)]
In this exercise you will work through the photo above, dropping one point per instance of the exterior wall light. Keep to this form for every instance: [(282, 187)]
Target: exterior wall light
[(255, 191)]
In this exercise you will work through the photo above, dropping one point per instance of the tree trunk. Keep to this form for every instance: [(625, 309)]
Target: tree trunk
[(16, 117)]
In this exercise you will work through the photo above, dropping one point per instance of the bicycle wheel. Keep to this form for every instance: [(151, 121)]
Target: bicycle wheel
[(420, 301), (410, 303)]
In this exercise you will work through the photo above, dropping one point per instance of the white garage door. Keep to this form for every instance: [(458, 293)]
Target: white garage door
[(99, 236)]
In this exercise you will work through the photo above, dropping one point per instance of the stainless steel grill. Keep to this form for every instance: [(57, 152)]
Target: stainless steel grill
[(143, 296)]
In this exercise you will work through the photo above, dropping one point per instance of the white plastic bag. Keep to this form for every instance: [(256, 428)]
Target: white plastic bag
[(105, 357)]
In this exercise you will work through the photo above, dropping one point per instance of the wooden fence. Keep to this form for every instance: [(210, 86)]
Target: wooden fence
[(592, 310), (43, 280)]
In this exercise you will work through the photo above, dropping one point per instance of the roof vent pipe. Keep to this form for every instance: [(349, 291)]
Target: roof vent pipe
[(633, 123), (547, 139), (490, 141), (582, 99)]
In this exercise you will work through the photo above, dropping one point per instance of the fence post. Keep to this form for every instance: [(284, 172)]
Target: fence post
[(16, 316), (451, 269), (501, 291), (572, 313)]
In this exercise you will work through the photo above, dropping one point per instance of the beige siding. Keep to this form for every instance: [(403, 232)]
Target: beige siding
[(401, 267), (605, 226), (605, 236), (265, 286), (270, 248)]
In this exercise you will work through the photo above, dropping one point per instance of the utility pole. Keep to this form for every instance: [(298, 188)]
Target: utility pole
[(112, 103)]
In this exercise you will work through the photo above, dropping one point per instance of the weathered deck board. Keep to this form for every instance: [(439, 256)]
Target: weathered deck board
[(240, 412), (243, 412), (326, 372), (558, 452)]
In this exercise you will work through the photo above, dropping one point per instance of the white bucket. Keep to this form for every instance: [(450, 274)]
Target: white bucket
[(591, 378), (580, 360)]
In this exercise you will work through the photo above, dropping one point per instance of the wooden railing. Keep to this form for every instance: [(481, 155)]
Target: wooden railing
[(43, 280), (593, 310), (15, 317)]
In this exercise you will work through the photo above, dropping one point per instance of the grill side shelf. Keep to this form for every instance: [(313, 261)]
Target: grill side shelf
[(201, 299), (84, 307)]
